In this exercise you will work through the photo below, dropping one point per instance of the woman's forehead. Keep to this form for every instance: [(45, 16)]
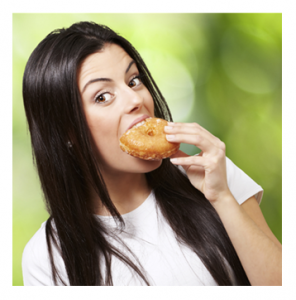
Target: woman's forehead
[(110, 61)]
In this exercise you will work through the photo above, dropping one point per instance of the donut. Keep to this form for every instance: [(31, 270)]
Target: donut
[(147, 140)]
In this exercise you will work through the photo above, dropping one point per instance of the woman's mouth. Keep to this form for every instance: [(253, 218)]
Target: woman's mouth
[(138, 120)]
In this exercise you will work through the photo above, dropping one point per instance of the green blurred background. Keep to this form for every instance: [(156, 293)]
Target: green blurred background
[(220, 70)]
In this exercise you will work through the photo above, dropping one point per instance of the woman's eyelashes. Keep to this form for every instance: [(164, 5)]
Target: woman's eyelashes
[(105, 97), (136, 81)]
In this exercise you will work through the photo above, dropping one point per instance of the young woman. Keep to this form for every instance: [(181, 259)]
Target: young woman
[(120, 220)]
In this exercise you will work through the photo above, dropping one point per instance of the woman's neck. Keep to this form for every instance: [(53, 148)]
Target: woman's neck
[(127, 192)]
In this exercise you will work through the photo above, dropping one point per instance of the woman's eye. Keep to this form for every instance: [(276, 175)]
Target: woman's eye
[(105, 97), (135, 82)]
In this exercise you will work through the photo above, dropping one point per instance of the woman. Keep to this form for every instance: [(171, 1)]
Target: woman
[(119, 220)]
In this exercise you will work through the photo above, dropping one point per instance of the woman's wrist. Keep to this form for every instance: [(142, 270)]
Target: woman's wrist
[(224, 201)]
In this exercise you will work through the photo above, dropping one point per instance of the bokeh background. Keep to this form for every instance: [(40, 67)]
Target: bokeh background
[(223, 71)]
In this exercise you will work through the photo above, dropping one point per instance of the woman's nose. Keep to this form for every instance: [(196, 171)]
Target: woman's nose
[(134, 101)]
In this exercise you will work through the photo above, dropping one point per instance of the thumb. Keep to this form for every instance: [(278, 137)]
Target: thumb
[(180, 153)]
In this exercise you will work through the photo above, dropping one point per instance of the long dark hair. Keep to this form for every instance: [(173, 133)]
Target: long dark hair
[(55, 117)]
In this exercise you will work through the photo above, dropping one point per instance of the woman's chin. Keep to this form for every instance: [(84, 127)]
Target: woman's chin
[(144, 166)]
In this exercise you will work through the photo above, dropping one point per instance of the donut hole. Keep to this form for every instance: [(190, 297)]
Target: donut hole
[(150, 132)]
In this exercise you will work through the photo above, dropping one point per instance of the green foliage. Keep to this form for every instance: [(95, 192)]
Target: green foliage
[(222, 71)]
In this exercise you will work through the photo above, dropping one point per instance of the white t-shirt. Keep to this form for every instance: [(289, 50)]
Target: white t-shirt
[(151, 240)]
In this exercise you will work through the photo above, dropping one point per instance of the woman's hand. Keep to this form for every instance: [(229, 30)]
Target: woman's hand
[(206, 171), (245, 224)]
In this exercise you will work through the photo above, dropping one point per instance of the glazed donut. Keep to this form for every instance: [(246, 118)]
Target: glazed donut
[(147, 140)]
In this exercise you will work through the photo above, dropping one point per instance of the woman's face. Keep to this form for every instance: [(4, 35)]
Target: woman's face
[(113, 98)]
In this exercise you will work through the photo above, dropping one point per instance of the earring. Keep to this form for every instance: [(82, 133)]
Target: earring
[(69, 144)]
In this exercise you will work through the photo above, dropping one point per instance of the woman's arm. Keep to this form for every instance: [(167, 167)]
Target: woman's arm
[(251, 207), (258, 249)]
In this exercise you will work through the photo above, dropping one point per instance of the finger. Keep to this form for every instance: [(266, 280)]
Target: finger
[(197, 140), (184, 128), (193, 128), (181, 154), (191, 131), (189, 128), (189, 161)]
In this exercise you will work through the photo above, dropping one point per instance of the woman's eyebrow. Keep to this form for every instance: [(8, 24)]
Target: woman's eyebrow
[(105, 79), (95, 80), (129, 66)]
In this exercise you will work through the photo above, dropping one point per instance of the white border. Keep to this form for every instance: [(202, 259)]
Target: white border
[(289, 144)]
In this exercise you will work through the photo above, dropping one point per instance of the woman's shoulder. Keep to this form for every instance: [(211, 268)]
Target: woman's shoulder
[(35, 260), (241, 185), (37, 244)]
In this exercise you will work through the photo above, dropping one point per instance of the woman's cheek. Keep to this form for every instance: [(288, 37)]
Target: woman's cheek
[(149, 104)]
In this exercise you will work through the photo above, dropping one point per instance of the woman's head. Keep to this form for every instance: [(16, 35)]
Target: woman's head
[(113, 97), (59, 108)]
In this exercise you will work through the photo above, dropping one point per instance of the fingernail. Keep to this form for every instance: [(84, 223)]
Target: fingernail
[(174, 160), (170, 123), (168, 127), (170, 137)]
